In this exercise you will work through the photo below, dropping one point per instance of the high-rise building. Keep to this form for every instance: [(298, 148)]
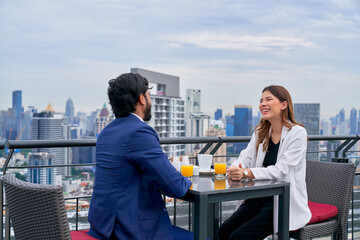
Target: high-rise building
[(103, 119), (353, 121), (326, 127), (196, 126), (242, 124), (342, 128), (40, 175), (256, 120), (168, 109), (229, 132), (216, 131), (69, 111), (197, 122), (12, 118), (342, 115), (90, 124), (229, 125), (308, 114), (81, 120), (17, 102), (193, 101), (49, 125), (218, 114)]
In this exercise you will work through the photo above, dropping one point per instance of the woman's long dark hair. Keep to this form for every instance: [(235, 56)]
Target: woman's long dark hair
[(287, 116)]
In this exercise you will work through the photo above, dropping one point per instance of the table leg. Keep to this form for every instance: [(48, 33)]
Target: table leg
[(200, 216), (216, 220), (283, 224)]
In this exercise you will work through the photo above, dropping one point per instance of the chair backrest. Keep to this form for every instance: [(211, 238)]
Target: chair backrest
[(37, 211), (331, 183)]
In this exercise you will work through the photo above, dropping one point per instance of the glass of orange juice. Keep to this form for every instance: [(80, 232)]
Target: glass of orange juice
[(220, 169), (187, 170)]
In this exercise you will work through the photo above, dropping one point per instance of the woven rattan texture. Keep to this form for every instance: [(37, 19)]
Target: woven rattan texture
[(37, 211), (329, 183)]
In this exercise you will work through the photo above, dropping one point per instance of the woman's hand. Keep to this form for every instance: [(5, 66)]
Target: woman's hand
[(236, 173)]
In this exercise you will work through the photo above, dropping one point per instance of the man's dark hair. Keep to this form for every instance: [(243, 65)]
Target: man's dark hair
[(124, 92)]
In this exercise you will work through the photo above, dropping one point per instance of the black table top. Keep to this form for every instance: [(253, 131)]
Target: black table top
[(210, 185)]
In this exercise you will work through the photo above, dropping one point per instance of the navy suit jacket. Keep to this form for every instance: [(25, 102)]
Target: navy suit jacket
[(131, 169)]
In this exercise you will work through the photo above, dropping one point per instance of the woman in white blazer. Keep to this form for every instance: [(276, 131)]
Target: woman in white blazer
[(276, 150)]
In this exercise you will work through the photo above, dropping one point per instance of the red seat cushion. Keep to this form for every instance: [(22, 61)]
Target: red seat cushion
[(321, 211), (81, 235)]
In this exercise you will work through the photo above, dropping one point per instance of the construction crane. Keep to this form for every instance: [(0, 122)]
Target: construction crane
[(10, 134), (22, 130)]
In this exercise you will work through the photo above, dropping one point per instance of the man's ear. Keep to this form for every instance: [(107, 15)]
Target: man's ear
[(142, 99)]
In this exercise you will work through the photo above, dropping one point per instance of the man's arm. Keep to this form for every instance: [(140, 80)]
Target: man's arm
[(145, 150)]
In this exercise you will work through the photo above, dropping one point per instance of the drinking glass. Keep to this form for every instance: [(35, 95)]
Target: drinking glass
[(220, 169), (187, 170)]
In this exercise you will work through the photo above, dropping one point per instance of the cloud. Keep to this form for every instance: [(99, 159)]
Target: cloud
[(214, 40), (230, 49)]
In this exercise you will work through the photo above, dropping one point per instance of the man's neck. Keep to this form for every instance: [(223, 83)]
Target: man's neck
[(140, 118)]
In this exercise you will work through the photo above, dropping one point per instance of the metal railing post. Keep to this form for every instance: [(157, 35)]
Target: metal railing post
[(352, 143), (2, 209), (77, 213)]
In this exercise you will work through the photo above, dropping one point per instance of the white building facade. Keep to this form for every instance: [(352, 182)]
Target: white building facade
[(168, 109)]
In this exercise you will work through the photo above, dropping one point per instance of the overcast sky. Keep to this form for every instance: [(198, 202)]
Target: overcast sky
[(230, 49)]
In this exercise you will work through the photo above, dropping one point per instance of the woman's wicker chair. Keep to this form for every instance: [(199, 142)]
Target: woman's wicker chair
[(329, 183), (37, 211)]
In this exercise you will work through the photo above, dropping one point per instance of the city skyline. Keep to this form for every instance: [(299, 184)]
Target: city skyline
[(342, 111), (230, 50)]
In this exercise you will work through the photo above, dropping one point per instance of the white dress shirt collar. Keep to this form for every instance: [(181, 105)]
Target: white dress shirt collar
[(138, 117)]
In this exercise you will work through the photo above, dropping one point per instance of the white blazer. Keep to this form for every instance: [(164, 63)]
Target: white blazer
[(290, 167)]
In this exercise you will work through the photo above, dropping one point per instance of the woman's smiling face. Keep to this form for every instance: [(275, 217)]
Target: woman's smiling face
[(270, 107)]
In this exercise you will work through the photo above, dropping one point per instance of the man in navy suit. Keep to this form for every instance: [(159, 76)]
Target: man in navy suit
[(131, 169)]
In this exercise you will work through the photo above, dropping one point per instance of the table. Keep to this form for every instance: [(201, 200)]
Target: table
[(207, 193)]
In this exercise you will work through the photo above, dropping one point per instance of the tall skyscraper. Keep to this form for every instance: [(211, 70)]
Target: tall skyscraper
[(197, 122), (168, 109), (229, 125), (193, 101), (69, 111), (342, 115), (353, 121), (48, 125), (12, 125), (308, 114), (218, 114), (17, 103), (242, 124)]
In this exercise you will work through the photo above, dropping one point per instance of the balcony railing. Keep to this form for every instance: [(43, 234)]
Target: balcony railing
[(347, 142)]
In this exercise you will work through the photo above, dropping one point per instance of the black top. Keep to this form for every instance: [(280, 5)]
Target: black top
[(271, 155)]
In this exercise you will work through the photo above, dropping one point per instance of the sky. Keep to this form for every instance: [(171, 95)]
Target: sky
[(230, 49)]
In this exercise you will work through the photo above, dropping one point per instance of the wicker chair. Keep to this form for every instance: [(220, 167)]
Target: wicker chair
[(37, 211), (329, 183)]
